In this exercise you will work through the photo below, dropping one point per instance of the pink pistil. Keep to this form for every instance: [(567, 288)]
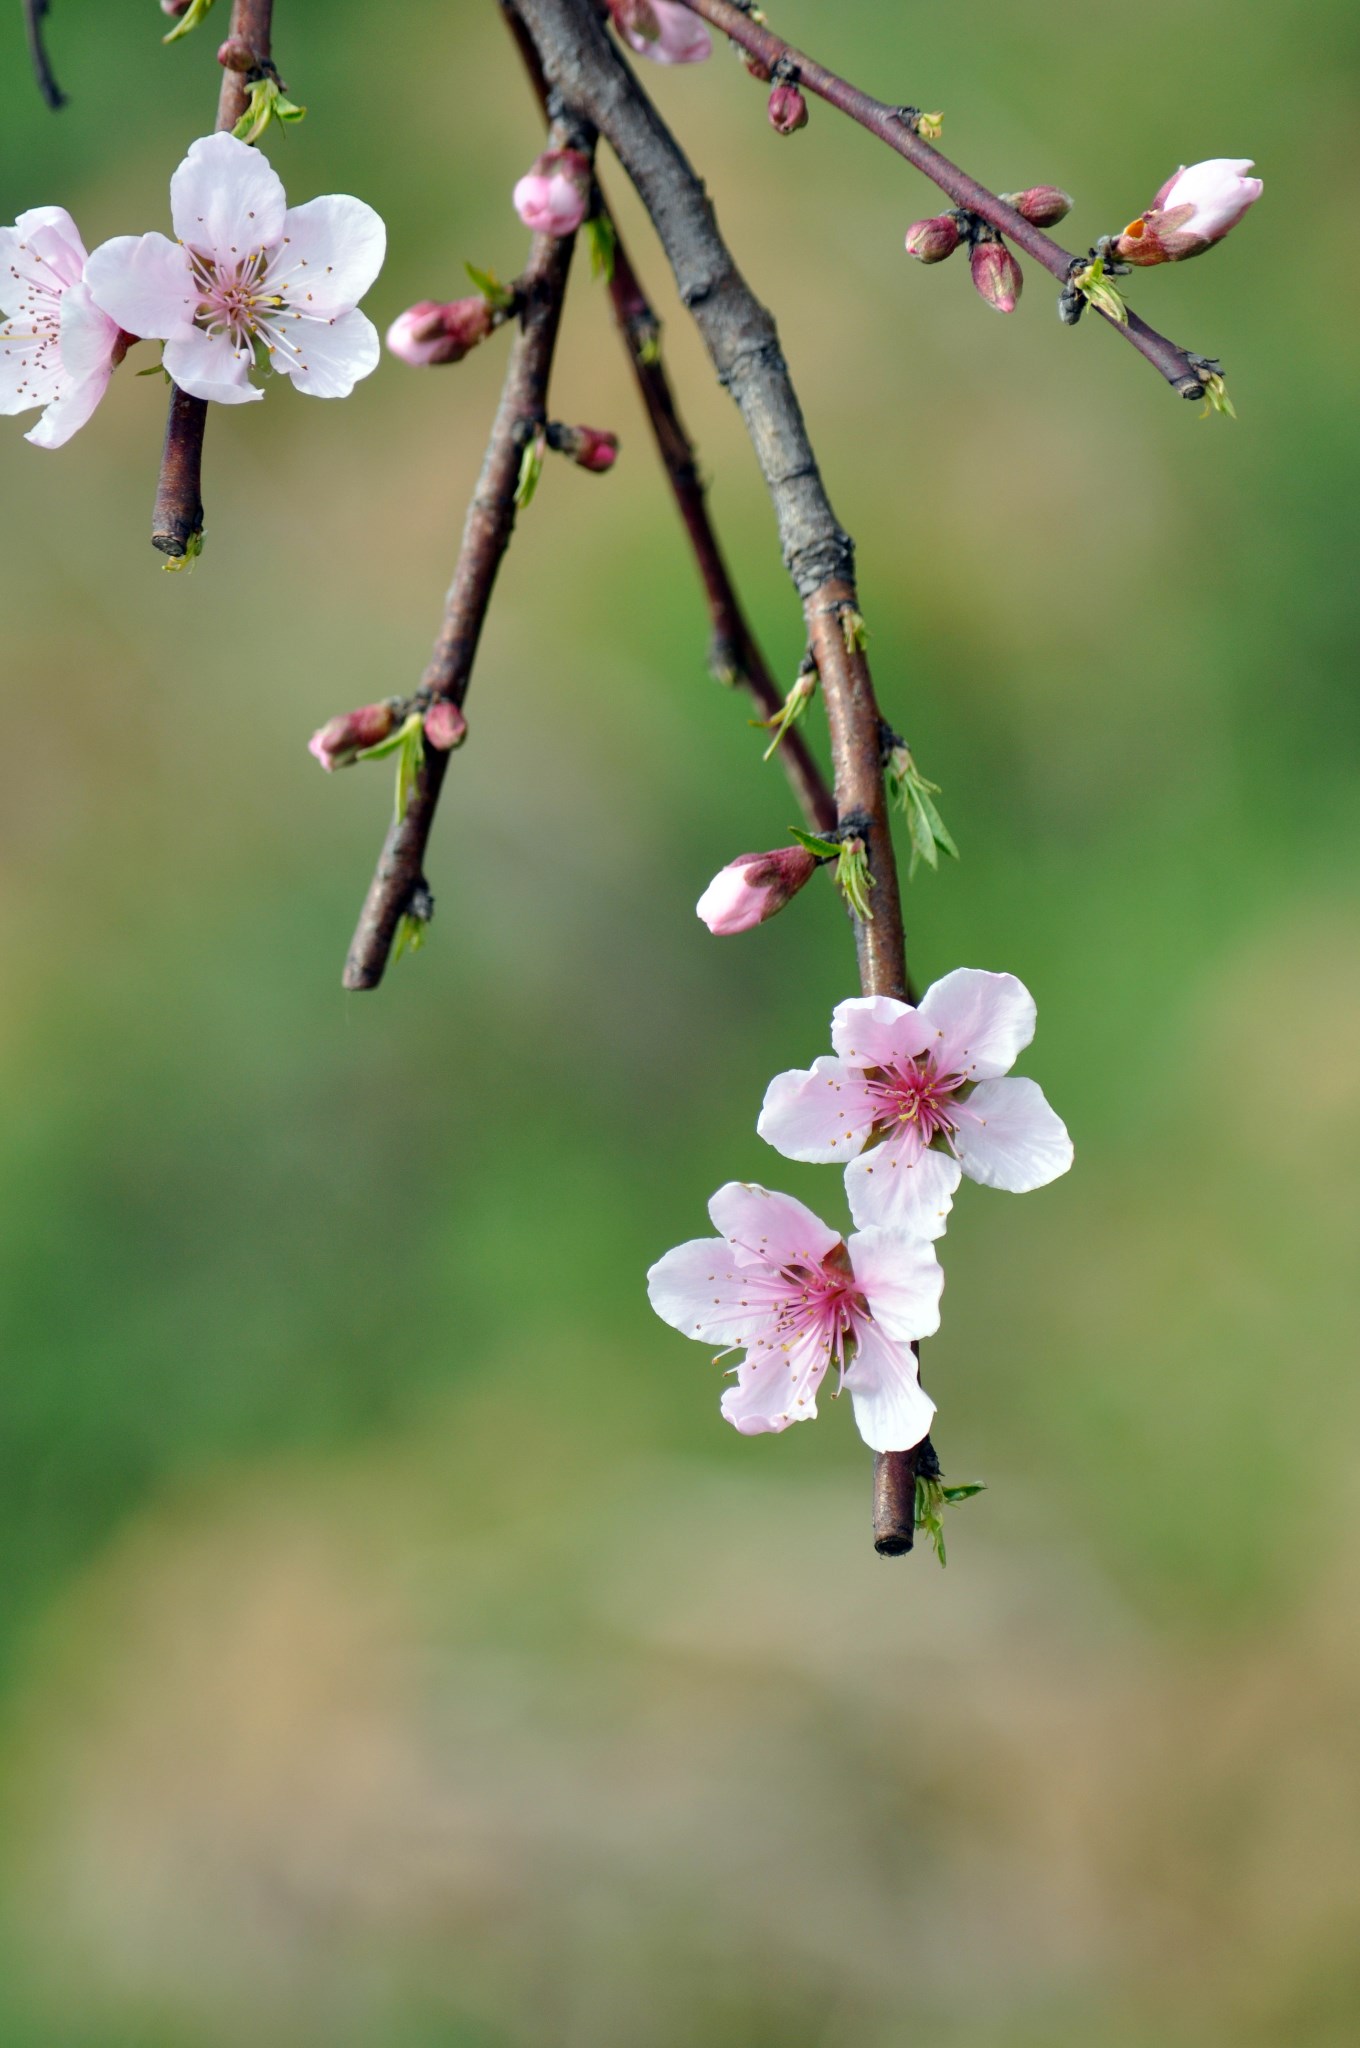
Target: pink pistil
[(912, 1092)]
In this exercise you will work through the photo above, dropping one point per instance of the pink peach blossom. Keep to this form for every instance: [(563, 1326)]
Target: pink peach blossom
[(914, 1098), (1193, 210), (795, 1298), (553, 196), (57, 349), (248, 276)]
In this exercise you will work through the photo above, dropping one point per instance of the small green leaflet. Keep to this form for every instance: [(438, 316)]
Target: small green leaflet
[(491, 288), (601, 241)]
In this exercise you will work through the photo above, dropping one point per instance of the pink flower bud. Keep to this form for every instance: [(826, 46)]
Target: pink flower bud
[(753, 887), (445, 725), (434, 333), (1192, 211), (787, 109), (553, 196), (1044, 205), (671, 34), (635, 18), (236, 55), (930, 241), (996, 274), (595, 450), (175, 8), (339, 743)]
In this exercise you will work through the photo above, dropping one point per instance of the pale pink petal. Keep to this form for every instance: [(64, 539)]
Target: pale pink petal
[(901, 1279), (1008, 1137), (145, 284), (770, 1228), (891, 1410), (88, 340), (979, 1023), (899, 1185), (226, 199), (30, 366), (873, 1031), (823, 1113), (701, 1290), (332, 250), (683, 38), (774, 1387), (326, 358), (211, 366)]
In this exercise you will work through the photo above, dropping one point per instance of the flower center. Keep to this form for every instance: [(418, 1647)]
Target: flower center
[(235, 298), (914, 1092), (826, 1303)]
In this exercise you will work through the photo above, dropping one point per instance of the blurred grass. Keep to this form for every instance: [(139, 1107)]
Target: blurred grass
[(394, 1646)]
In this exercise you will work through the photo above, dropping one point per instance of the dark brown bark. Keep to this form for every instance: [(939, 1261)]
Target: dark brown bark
[(1177, 365), (177, 520), (486, 536), (34, 13)]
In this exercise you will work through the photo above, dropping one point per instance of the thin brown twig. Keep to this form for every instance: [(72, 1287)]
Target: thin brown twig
[(486, 536), (743, 343), (1179, 367), (734, 649), (177, 520), (34, 11)]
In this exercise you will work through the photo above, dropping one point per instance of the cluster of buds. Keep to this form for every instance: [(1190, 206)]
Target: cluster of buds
[(375, 730), (553, 196), (431, 332), (996, 275)]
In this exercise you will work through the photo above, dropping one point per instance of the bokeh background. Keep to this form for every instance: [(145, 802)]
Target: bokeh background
[(394, 1647)]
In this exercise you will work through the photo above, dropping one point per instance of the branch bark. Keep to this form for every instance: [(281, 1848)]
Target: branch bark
[(743, 342), (1177, 365), (177, 520), (734, 645), (34, 12), (486, 536)]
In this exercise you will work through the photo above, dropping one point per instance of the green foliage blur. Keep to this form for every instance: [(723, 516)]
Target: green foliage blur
[(394, 1647)]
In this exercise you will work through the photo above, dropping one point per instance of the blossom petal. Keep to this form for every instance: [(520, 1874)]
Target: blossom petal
[(892, 1410), (226, 199), (211, 366), (326, 358), (145, 284), (30, 367), (873, 1031), (702, 1291), (88, 340), (824, 1112), (980, 1023), (775, 1386), (42, 251), (902, 1281), (683, 39), (768, 1228), (898, 1185), (1008, 1137), (332, 250)]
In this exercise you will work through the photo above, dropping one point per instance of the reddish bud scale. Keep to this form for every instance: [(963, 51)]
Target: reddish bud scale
[(595, 450), (930, 241), (341, 739), (996, 274), (787, 109), (433, 333), (445, 726), (236, 55), (1043, 205)]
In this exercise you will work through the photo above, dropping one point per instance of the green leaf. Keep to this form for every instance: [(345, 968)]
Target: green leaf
[(491, 288), (825, 849), (191, 19), (954, 1493), (409, 762), (601, 241), (530, 470), (936, 823)]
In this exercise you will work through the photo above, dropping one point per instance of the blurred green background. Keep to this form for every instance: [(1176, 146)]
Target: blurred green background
[(394, 1647)]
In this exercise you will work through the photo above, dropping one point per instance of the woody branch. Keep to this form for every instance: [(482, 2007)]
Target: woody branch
[(743, 343)]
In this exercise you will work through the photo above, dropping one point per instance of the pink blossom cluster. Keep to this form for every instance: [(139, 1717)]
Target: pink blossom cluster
[(911, 1098), (248, 282)]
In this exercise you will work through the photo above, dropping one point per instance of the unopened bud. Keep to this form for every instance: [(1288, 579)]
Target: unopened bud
[(175, 8), (930, 241), (787, 109), (595, 450), (339, 743), (757, 66), (636, 18), (1192, 211), (754, 887), (553, 196), (930, 127), (445, 725), (236, 55), (996, 274), (1044, 205), (433, 333)]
